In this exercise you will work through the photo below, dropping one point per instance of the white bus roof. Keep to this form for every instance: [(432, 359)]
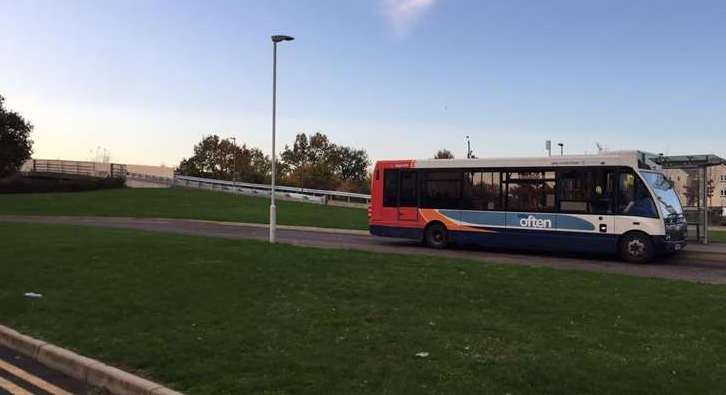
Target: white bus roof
[(619, 158)]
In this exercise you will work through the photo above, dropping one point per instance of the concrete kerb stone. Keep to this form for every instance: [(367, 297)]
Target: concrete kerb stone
[(119, 382), (64, 361), (163, 391), (87, 370), (23, 344)]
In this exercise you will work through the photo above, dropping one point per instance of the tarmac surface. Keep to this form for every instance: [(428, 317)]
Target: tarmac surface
[(696, 263)]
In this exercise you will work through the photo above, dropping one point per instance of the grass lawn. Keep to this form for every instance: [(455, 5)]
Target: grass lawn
[(214, 316), (717, 236), (181, 203)]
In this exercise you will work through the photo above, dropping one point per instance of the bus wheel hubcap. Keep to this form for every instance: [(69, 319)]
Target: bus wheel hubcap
[(636, 247)]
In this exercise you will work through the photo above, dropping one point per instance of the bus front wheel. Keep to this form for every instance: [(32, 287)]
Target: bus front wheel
[(637, 247), (437, 236)]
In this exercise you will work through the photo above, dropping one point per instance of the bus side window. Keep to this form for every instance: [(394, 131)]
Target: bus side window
[(441, 189), (390, 188), (575, 190), (634, 198), (586, 191), (531, 191), (481, 191)]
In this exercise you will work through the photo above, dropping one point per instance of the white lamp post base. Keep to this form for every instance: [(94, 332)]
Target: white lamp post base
[(273, 222)]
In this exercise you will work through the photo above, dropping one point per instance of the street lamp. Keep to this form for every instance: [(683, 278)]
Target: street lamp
[(562, 149), (234, 159), (273, 210)]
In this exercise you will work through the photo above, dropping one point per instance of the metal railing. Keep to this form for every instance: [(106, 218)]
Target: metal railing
[(64, 167), (81, 168), (293, 193), (118, 170)]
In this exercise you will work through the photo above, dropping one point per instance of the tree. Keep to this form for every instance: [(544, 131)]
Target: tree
[(692, 188), (16, 147), (444, 154), (351, 164), (253, 165), (318, 164), (296, 158), (207, 161), (221, 159), (315, 162)]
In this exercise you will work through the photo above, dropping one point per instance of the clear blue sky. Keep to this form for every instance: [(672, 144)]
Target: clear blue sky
[(147, 79)]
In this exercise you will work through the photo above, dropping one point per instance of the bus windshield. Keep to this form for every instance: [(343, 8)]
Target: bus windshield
[(664, 193)]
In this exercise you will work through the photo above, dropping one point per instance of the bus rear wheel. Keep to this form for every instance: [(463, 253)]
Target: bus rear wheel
[(637, 247), (437, 236)]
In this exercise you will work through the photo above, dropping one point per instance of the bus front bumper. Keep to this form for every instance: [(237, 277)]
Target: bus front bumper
[(670, 246)]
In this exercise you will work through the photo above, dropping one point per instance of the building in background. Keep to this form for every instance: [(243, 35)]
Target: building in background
[(687, 181)]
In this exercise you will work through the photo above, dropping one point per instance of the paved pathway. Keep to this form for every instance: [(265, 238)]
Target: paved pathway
[(696, 263), (20, 375)]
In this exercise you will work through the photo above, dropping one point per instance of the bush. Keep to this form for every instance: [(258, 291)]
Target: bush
[(44, 183)]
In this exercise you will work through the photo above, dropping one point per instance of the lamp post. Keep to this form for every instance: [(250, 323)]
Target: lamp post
[(562, 149), (273, 210), (234, 159)]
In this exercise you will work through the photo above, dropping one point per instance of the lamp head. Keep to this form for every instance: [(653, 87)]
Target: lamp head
[(278, 38)]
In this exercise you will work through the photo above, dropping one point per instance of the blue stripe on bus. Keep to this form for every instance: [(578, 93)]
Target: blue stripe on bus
[(520, 220), (565, 221), (480, 218)]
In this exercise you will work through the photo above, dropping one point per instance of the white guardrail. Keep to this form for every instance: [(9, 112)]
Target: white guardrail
[(149, 178), (318, 196)]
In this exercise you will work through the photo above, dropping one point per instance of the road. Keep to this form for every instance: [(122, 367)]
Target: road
[(696, 263), (20, 375)]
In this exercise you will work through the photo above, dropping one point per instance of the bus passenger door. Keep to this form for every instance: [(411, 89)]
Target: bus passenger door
[(408, 196), (603, 200)]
